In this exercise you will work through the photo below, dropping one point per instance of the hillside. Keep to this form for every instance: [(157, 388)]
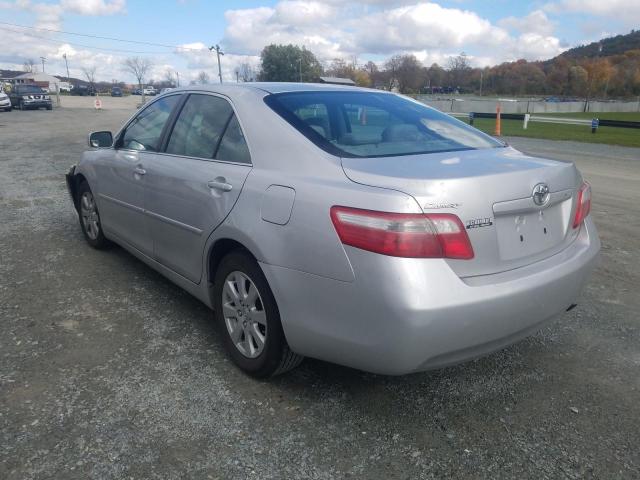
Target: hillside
[(610, 46)]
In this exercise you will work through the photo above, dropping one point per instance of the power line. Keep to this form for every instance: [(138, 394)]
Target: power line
[(100, 37), (91, 47)]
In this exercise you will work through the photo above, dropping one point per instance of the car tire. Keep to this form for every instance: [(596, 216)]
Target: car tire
[(50, 107), (90, 218), (247, 314)]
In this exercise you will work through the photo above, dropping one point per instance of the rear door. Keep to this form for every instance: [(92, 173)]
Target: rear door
[(121, 175), (194, 183)]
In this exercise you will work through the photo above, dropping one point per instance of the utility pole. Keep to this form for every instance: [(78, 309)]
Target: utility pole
[(43, 60), (177, 79), (218, 52), (481, 77), (300, 69), (64, 55), (237, 76)]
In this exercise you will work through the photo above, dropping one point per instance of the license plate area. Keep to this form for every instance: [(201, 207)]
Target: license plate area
[(528, 233)]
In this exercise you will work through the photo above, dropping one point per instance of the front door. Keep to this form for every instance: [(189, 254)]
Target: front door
[(121, 189), (193, 185)]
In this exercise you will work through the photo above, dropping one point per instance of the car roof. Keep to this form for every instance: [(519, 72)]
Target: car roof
[(274, 87)]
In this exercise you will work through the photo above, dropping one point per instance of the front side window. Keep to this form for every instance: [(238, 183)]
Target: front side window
[(200, 126), (144, 131), (369, 124)]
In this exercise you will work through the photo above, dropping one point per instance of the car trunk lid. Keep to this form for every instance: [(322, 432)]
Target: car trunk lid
[(491, 191)]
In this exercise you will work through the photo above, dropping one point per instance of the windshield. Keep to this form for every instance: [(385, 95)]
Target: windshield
[(369, 124), (30, 89)]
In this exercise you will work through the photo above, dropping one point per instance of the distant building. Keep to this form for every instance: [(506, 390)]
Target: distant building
[(41, 79), (338, 81)]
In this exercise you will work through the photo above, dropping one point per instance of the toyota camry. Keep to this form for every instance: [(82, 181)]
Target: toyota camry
[(350, 225)]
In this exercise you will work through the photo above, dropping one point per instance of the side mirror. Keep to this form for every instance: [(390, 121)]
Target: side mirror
[(100, 140)]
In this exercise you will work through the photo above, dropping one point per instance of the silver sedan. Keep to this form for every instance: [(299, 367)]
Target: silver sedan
[(354, 226)]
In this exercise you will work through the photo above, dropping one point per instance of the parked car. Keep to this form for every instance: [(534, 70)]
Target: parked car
[(5, 102), (354, 226), (26, 96), (83, 90), (149, 91), (116, 92)]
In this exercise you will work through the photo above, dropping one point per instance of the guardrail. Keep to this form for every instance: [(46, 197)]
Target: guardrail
[(594, 123)]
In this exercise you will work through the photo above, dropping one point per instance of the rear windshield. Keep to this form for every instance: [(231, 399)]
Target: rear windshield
[(29, 89), (370, 124)]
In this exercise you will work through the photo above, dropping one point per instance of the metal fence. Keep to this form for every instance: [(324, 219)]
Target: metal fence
[(466, 105)]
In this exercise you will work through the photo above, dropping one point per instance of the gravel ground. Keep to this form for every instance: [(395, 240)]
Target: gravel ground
[(107, 370)]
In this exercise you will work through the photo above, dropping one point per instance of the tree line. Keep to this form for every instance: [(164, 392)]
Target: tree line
[(614, 76)]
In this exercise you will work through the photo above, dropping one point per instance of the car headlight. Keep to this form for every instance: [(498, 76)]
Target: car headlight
[(26, 97), (46, 97)]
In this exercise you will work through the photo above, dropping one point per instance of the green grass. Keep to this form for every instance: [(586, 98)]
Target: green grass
[(627, 137), (627, 116)]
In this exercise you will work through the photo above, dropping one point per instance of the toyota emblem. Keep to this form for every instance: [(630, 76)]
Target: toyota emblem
[(541, 194)]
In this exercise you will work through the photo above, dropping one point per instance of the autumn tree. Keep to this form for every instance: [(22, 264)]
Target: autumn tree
[(459, 68), (436, 75)]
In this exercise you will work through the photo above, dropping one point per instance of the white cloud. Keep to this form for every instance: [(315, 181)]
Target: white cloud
[(248, 31), (300, 12), (535, 22), (533, 46), (426, 25), (94, 7), (19, 45), (332, 29)]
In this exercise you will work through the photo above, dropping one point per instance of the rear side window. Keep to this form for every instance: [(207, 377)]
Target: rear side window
[(370, 124), (199, 127), (233, 147), (144, 131)]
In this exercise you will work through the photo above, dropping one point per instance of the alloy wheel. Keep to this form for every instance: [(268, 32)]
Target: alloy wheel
[(244, 314), (89, 214)]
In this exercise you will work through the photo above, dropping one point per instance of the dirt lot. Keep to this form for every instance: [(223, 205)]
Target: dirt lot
[(107, 370)]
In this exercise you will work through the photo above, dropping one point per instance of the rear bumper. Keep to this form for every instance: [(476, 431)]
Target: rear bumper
[(406, 315)]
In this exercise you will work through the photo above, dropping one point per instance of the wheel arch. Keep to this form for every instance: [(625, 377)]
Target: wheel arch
[(74, 186), (218, 250)]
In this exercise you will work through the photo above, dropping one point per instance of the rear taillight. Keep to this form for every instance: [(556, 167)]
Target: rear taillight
[(437, 235), (583, 205)]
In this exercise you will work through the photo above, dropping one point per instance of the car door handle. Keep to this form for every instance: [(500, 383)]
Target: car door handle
[(139, 170), (220, 184)]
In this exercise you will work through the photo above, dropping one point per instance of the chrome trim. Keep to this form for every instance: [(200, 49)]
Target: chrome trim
[(151, 214), (527, 204), (121, 203), (175, 223)]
